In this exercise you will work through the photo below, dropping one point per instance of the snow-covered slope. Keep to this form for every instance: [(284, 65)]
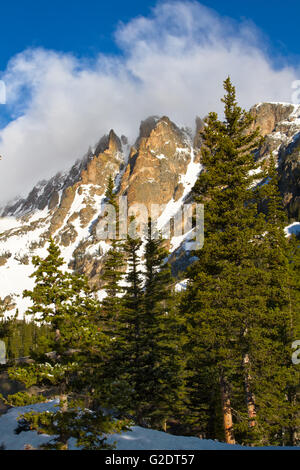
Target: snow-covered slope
[(68, 206), (136, 439)]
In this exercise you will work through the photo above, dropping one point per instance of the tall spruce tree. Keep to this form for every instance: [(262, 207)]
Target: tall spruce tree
[(294, 308), (69, 357), (268, 338), (230, 312), (112, 275), (128, 345), (147, 361), (4, 323), (164, 378), (114, 266)]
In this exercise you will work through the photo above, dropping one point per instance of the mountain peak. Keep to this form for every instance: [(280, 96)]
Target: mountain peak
[(268, 115), (162, 168)]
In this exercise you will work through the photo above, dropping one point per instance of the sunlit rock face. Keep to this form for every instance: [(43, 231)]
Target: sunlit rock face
[(153, 172)]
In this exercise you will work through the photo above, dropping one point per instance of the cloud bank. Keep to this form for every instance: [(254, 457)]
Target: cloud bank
[(170, 63)]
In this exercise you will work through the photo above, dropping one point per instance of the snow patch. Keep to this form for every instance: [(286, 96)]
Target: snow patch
[(7, 223), (181, 286), (137, 438), (293, 229)]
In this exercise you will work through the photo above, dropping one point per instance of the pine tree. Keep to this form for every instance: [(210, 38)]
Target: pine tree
[(146, 363), (112, 275), (110, 194), (128, 346), (111, 198), (230, 312), (224, 185), (164, 365), (267, 338), (114, 266), (7, 324), (294, 309), (69, 357)]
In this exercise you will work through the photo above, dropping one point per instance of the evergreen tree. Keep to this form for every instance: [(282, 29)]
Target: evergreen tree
[(164, 363), (232, 304), (114, 266), (111, 198), (110, 194), (128, 348), (5, 323), (294, 315), (147, 362), (69, 357), (112, 275), (268, 337)]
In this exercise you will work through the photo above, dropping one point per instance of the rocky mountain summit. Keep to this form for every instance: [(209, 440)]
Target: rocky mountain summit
[(280, 125), (160, 168)]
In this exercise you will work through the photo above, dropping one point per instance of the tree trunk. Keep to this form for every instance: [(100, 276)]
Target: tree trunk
[(250, 399), (64, 408), (57, 335), (63, 400), (227, 413), (295, 430)]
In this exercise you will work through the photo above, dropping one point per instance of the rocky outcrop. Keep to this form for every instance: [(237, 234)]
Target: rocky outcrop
[(279, 124), (48, 193), (89, 264), (268, 115), (154, 169), (94, 168), (146, 127), (107, 162), (289, 182)]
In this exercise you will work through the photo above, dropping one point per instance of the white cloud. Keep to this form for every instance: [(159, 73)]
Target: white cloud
[(173, 62)]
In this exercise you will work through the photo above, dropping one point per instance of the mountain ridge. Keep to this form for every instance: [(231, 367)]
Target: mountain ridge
[(160, 168)]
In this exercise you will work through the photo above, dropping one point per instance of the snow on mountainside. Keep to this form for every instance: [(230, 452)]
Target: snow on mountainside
[(160, 168), (69, 205), (136, 439)]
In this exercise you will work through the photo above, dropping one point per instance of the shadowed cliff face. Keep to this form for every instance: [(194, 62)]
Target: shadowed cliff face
[(289, 170), (280, 125), (160, 168)]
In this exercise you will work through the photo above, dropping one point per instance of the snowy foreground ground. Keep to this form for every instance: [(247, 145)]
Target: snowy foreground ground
[(136, 439)]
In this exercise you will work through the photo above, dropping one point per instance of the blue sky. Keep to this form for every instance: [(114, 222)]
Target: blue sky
[(86, 27), (73, 70)]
